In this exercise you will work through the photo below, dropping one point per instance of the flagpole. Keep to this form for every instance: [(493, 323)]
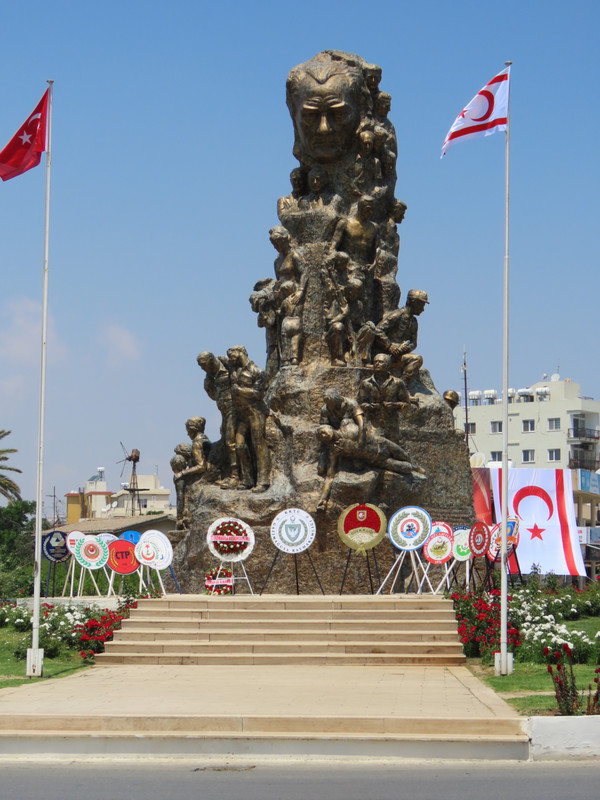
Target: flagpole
[(35, 656), (503, 562)]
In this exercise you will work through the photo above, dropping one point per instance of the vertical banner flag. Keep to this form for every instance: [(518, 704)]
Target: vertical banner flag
[(482, 495), (25, 149), (542, 501), (485, 114)]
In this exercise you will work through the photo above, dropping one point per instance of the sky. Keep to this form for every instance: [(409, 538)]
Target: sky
[(171, 143)]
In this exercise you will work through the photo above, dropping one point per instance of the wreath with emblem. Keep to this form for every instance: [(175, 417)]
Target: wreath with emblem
[(211, 586), (229, 528)]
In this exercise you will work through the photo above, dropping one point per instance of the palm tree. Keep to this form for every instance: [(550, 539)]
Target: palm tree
[(8, 488)]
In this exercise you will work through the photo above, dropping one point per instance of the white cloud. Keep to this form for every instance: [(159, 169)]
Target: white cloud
[(122, 345), (20, 334)]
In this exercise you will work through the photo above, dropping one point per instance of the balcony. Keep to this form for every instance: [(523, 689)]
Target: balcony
[(583, 434), (584, 462)]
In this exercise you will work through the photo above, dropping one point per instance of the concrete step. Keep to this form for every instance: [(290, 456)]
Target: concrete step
[(135, 623), (291, 602), (242, 647), (73, 745), (168, 633), (163, 723), (320, 659), (220, 615)]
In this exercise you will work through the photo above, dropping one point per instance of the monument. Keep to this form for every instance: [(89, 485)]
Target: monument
[(344, 410)]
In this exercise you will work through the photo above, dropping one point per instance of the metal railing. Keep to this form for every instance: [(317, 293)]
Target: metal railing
[(584, 433)]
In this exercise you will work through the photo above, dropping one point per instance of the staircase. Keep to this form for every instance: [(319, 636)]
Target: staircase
[(280, 629)]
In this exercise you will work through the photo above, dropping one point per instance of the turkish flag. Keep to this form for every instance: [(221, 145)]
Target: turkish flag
[(25, 149), (542, 501), (485, 114)]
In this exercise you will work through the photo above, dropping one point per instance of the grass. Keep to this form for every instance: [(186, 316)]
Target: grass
[(589, 625), (12, 672), (529, 689)]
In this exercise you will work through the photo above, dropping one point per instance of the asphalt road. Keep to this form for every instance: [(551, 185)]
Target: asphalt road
[(187, 780)]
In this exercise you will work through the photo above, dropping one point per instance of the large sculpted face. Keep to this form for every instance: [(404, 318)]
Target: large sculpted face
[(326, 112)]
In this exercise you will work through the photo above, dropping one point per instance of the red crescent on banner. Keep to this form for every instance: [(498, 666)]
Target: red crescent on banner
[(533, 491), (490, 98)]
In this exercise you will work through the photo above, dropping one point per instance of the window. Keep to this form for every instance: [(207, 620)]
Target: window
[(554, 423), (496, 426), (528, 425), (554, 455), (496, 455), (471, 427), (528, 456)]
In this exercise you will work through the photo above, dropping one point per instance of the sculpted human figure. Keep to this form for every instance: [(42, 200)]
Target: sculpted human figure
[(373, 79), (250, 414), (217, 386), (361, 331), (367, 167), (357, 235), (181, 462), (336, 311), (290, 300), (263, 303), (319, 195), (340, 418), (325, 98), (451, 397), (290, 203), (195, 427), (377, 451), (383, 397), (396, 334), (386, 146), (287, 265)]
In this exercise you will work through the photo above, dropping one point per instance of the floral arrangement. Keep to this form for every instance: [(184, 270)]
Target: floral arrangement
[(230, 529), (223, 584)]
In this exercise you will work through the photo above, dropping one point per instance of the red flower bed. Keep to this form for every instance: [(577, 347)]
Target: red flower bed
[(478, 617), (96, 632)]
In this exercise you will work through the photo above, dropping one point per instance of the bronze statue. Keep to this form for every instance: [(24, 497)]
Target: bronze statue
[(331, 417), (217, 386), (341, 418), (290, 203), (325, 98), (396, 334), (250, 414), (357, 236), (383, 397), (452, 398), (289, 301), (263, 302)]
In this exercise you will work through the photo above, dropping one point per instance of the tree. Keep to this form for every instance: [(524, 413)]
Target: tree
[(8, 488)]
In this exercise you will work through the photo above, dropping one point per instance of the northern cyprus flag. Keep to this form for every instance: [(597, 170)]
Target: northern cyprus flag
[(542, 501), (485, 114)]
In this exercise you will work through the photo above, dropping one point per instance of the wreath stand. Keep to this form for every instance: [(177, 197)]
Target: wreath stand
[(376, 566), (243, 577), (312, 563), (416, 565)]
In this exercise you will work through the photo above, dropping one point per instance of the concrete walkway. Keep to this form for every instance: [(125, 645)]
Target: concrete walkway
[(292, 711), (400, 692)]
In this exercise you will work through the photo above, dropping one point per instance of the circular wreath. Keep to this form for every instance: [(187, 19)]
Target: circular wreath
[(230, 528), (221, 588)]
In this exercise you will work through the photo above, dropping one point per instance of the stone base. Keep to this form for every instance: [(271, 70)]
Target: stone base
[(429, 438)]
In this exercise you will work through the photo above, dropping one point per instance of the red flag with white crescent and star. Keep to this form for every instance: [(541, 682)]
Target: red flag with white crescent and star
[(485, 114), (25, 149), (542, 501)]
